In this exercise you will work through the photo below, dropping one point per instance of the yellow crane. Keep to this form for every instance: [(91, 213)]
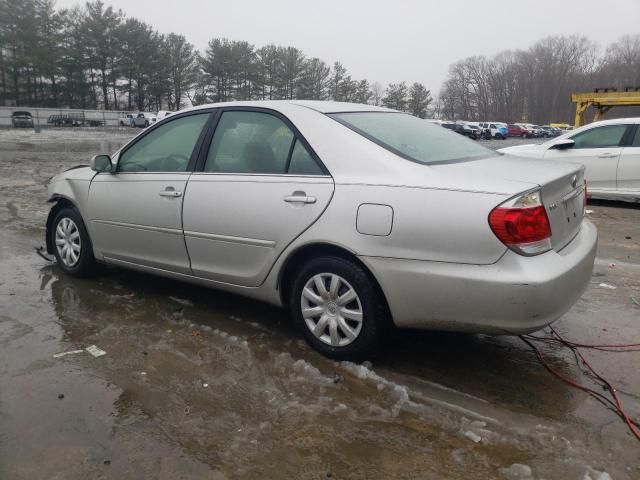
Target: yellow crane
[(603, 100)]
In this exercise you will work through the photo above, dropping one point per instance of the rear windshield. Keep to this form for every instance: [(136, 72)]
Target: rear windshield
[(412, 138)]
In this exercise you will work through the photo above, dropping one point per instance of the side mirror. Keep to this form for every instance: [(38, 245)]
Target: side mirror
[(563, 144), (101, 163)]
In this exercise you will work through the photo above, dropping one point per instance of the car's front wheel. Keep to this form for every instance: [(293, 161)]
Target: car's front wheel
[(71, 244), (338, 308)]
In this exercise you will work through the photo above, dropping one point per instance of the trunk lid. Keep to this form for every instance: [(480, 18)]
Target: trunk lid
[(563, 199), (561, 185)]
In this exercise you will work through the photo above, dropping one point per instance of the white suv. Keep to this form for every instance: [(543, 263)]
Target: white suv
[(498, 130)]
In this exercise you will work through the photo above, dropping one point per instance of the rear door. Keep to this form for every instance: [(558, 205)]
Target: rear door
[(598, 149), (629, 165), (136, 212), (259, 187)]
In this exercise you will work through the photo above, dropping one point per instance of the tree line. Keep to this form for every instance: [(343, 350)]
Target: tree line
[(535, 84), (95, 57)]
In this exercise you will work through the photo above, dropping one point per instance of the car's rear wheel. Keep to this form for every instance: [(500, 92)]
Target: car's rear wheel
[(71, 244), (338, 308)]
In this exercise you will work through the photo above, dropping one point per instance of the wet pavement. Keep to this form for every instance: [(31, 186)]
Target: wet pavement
[(202, 384)]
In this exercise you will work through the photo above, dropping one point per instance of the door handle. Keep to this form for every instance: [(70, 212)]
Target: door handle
[(299, 199), (170, 193), (608, 155)]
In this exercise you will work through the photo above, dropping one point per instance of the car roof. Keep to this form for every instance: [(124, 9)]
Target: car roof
[(317, 105), (617, 121)]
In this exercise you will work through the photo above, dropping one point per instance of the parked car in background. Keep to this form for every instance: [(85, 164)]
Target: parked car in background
[(21, 119), (320, 206), (126, 120), (462, 129), (477, 131), (549, 131), (609, 149), (528, 128), (515, 130), (497, 130), (541, 132), (144, 119), (484, 132)]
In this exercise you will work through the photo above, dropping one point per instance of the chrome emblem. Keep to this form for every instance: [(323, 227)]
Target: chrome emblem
[(574, 181), (553, 206)]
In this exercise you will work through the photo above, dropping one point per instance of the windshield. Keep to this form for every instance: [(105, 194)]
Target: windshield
[(412, 138)]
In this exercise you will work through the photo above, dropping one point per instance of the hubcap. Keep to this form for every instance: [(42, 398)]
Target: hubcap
[(331, 309), (68, 242)]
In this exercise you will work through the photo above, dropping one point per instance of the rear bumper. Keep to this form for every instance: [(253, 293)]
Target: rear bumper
[(23, 124), (515, 295)]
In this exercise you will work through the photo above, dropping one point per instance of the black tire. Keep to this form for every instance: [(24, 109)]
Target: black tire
[(375, 319), (86, 263)]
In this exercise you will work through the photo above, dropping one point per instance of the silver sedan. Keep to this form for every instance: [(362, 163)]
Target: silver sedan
[(356, 218)]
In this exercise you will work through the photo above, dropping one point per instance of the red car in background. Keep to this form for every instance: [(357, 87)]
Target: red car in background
[(518, 131)]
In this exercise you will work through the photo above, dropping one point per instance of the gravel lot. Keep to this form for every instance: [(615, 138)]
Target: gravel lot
[(201, 384)]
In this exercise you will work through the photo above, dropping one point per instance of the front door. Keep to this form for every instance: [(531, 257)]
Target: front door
[(629, 166), (136, 212), (598, 149), (260, 187)]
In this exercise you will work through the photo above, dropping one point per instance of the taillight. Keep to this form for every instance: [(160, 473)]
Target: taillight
[(522, 224)]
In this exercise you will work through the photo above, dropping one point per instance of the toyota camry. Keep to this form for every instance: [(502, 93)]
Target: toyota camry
[(356, 218)]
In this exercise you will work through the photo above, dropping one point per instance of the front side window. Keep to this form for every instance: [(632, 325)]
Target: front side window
[(257, 143), (600, 137), (411, 137), (167, 148)]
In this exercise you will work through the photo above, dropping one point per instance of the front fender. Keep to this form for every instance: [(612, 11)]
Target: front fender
[(70, 188)]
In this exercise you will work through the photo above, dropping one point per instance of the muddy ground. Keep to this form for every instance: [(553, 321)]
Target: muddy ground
[(198, 384)]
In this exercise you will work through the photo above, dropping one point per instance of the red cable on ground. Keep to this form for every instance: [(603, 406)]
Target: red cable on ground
[(619, 409), (613, 391), (584, 345)]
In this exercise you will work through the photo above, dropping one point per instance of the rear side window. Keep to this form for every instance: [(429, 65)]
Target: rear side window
[(249, 142), (302, 163), (257, 143), (636, 139), (411, 137), (600, 137)]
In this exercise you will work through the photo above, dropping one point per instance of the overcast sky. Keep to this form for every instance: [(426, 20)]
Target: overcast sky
[(392, 40)]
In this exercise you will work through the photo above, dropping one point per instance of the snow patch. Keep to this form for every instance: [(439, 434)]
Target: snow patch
[(516, 471), (593, 474), (301, 369), (473, 436), (182, 301)]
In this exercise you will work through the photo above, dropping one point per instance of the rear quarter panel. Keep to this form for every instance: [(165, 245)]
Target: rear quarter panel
[(428, 224)]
